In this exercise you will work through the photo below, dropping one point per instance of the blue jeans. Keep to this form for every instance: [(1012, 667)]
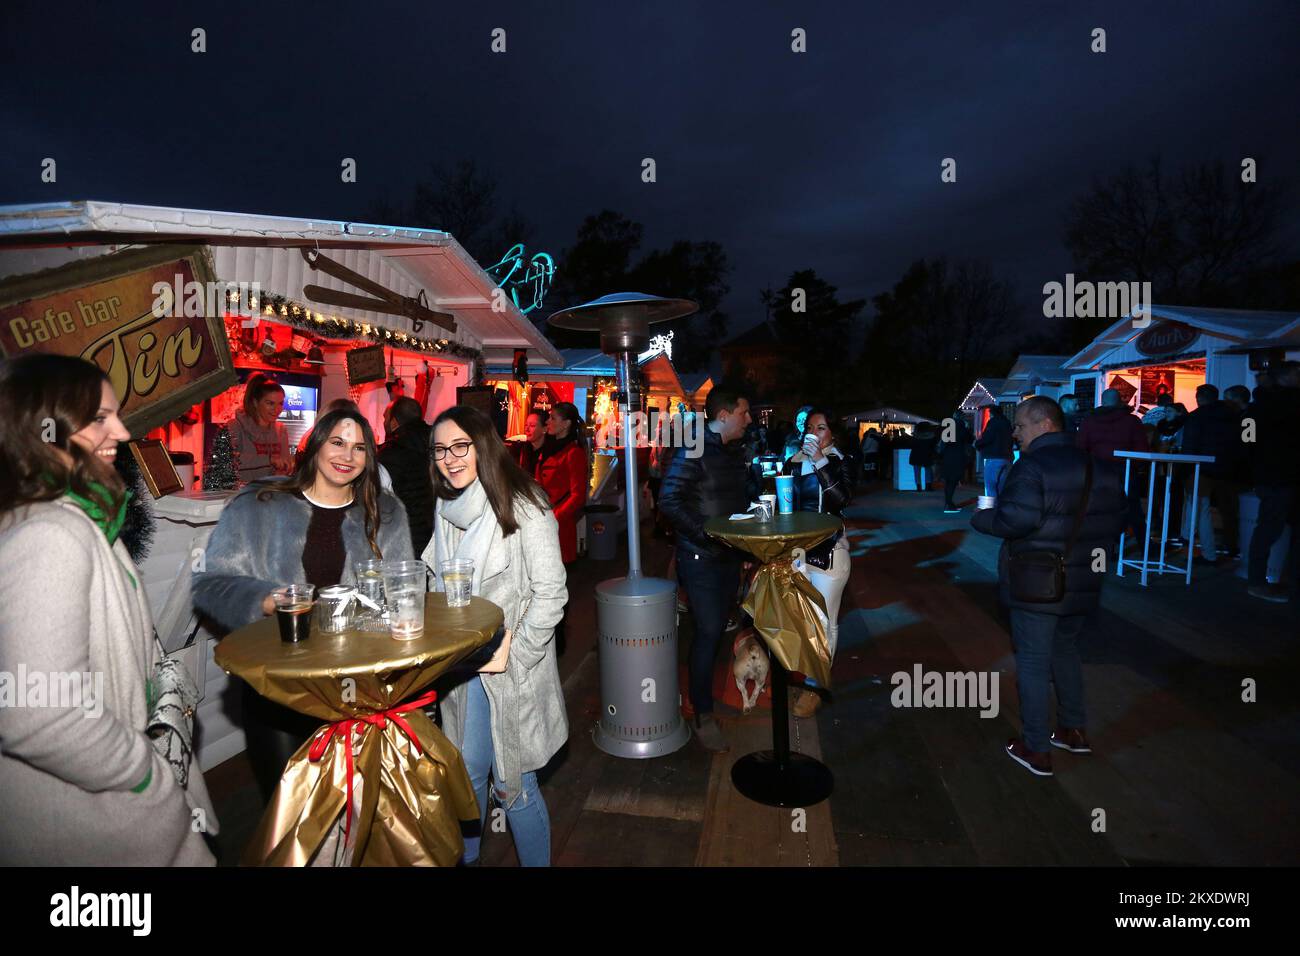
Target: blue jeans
[(994, 470), (529, 823), (1047, 648), (710, 585)]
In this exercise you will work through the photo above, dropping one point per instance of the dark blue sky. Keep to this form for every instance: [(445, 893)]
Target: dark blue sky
[(828, 159)]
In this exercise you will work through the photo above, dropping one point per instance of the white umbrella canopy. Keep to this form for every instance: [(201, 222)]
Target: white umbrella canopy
[(888, 416)]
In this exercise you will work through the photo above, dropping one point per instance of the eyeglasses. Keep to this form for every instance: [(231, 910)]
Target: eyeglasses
[(458, 450)]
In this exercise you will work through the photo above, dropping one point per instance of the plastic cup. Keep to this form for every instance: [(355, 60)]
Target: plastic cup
[(985, 502), (370, 585), (293, 606), (770, 501), (335, 608), (785, 494), (457, 578), (405, 584)]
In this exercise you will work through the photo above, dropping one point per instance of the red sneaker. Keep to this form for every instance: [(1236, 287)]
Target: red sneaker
[(1038, 764), (1071, 739)]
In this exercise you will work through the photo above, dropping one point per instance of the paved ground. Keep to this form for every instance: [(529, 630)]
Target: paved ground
[(1184, 770)]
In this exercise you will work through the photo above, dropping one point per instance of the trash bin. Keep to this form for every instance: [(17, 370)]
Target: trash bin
[(602, 532)]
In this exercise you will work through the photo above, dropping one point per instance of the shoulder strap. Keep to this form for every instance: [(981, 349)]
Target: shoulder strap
[(1083, 509)]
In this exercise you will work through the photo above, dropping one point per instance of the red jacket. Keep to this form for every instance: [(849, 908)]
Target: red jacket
[(1109, 429), (563, 474)]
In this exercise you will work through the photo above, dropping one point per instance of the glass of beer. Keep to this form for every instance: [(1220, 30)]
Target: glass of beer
[(293, 605), (457, 581), (405, 584)]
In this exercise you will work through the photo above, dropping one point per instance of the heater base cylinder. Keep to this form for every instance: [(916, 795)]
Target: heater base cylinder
[(640, 703)]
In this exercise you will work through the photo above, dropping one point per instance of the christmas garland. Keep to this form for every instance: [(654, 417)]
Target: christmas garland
[(300, 317)]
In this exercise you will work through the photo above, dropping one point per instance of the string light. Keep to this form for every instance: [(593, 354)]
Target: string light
[(335, 326)]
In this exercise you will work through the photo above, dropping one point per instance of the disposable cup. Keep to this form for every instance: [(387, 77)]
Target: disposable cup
[(405, 584)]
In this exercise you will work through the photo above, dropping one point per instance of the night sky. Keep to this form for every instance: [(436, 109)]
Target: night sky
[(828, 159)]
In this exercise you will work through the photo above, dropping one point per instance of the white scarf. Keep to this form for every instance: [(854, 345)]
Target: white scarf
[(466, 528)]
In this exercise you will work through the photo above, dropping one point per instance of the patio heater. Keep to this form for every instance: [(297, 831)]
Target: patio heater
[(640, 713)]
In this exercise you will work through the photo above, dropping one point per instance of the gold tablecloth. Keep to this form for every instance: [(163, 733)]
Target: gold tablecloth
[(409, 784), (782, 602)]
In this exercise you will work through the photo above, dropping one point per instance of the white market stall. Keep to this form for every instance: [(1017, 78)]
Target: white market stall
[(296, 297)]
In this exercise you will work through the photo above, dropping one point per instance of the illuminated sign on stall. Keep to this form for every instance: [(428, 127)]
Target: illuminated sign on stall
[(533, 276), (106, 310)]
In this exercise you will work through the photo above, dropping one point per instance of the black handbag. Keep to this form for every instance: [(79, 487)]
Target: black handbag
[(1038, 577)]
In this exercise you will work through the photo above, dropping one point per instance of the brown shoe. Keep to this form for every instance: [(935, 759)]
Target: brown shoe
[(806, 703), (1036, 763), (1071, 739)]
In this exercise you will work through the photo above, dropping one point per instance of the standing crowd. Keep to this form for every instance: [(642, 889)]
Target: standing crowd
[(78, 791)]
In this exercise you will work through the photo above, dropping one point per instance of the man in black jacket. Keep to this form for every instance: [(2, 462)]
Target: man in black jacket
[(1275, 463), (994, 444), (696, 487), (1037, 510), (405, 454), (1213, 429)]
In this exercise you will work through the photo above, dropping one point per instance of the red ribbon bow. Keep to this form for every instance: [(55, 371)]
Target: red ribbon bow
[(343, 728)]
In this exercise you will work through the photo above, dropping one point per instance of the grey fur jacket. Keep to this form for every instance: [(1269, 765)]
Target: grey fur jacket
[(523, 575), (256, 547)]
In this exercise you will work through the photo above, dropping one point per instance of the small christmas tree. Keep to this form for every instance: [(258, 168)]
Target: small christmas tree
[(223, 467)]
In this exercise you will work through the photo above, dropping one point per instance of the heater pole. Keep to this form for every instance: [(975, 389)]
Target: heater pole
[(626, 405)]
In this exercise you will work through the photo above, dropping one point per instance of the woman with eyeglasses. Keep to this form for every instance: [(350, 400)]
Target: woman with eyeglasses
[(509, 719), (80, 781), (312, 527)]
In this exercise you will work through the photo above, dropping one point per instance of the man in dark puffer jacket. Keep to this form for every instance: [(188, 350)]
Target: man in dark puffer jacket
[(1214, 429), (703, 483), (405, 454), (1035, 512)]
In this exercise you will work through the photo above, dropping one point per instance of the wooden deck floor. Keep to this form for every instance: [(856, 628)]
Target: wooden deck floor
[(1184, 771)]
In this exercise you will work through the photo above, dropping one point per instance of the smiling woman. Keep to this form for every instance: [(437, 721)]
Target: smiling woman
[(509, 719), (75, 791), (312, 527)]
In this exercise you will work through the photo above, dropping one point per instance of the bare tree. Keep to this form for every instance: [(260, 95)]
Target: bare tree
[(1195, 237), (461, 199), (936, 328)]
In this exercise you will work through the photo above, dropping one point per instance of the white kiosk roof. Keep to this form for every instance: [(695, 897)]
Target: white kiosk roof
[(249, 247), (1224, 328)]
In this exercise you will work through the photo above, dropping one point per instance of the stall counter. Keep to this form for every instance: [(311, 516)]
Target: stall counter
[(184, 524)]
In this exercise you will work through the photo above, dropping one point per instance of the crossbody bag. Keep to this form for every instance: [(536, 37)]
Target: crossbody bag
[(1038, 577)]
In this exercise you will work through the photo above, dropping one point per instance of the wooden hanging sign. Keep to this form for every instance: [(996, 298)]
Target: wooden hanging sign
[(388, 302)]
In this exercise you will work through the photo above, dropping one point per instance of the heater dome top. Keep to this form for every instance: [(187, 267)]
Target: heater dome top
[(622, 308)]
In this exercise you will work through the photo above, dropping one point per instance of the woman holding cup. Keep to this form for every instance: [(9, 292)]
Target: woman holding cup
[(508, 719), (821, 485), (310, 529)]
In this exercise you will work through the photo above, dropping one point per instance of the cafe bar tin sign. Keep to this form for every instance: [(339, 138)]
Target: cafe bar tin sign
[(150, 318)]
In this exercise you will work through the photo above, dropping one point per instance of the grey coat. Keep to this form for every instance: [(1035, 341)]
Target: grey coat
[(525, 577), (256, 547), (67, 773)]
